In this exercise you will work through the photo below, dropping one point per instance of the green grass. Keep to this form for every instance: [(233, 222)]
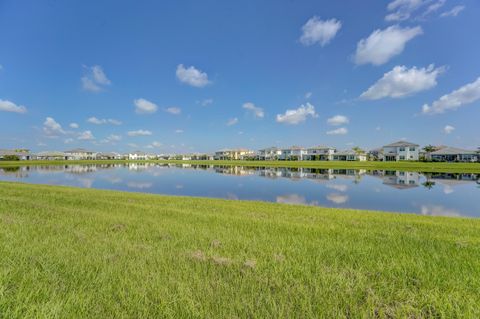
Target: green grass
[(400, 166), (79, 253)]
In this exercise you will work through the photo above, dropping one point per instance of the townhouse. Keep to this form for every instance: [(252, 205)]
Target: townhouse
[(349, 155), (294, 153), (452, 154), (234, 154), (140, 156), (269, 154), (319, 153), (80, 154), (400, 151), (22, 155)]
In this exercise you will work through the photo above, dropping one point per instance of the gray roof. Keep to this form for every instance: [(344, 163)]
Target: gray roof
[(453, 151), (401, 144), (321, 147), (348, 152), (78, 150)]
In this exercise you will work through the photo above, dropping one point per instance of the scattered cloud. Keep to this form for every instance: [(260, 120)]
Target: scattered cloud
[(94, 79), (52, 128), (154, 144), (139, 133), (68, 140), (338, 131), (112, 138), (402, 81), (467, 94), (382, 45), (192, 76), (255, 110), (232, 121), (173, 110), (454, 12), (308, 95), (319, 31), (297, 116), (94, 120), (401, 10), (434, 7), (8, 106), (448, 129), (206, 102), (143, 106), (74, 125), (179, 131), (338, 120), (86, 136)]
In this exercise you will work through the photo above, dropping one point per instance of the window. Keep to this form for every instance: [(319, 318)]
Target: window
[(402, 149), (402, 157), (412, 149)]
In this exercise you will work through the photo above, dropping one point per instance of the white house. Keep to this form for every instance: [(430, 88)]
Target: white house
[(269, 154), (349, 155), (53, 155), (81, 154), (319, 153), (400, 151), (233, 154), (22, 155), (452, 154), (140, 156), (294, 153)]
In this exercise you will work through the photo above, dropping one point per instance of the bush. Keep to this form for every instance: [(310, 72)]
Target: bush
[(11, 158)]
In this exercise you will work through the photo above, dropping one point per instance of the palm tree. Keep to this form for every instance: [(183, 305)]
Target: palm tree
[(429, 148)]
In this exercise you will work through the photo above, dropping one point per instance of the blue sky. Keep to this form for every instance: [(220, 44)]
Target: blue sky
[(184, 76)]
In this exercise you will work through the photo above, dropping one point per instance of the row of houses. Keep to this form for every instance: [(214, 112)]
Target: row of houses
[(398, 151)]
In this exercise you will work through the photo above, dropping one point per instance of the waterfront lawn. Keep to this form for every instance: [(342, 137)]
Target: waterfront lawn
[(80, 253)]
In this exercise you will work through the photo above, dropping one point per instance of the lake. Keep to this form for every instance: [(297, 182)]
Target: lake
[(446, 194)]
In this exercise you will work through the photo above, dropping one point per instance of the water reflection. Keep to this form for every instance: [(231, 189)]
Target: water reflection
[(447, 194)]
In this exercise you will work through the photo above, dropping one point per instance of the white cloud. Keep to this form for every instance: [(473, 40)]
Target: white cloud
[(403, 9), (94, 120), (448, 129), (206, 102), (178, 131), (294, 117), (68, 140), (192, 76), (467, 94), (338, 131), (155, 144), (52, 127), (112, 138), (174, 110), (232, 121), (401, 82), (308, 95), (382, 45), (454, 12), (139, 133), (86, 136), (256, 111), (8, 106), (143, 106), (74, 125), (338, 120), (94, 79), (319, 31), (434, 7)]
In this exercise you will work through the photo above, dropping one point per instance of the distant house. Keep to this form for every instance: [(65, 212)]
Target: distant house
[(349, 155), (109, 156), (269, 154), (294, 153), (319, 153), (400, 180), (22, 155), (452, 154), (53, 155), (400, 151), (140, 156), (233, 154), (81, 154)]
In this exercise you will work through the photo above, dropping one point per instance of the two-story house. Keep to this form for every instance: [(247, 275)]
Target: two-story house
[(319, 153), (400, 151)]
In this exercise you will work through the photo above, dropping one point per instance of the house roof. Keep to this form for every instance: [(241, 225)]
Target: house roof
[(453, 151), (51, 153), (13, 152), (321, 147), (78, 150), (348, 152), (401, 143)]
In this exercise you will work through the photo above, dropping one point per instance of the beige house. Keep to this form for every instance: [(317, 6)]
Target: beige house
[(234, 154), (319, 153), (349, 155)]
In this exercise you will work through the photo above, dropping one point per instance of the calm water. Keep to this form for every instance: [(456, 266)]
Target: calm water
[(428, 194)]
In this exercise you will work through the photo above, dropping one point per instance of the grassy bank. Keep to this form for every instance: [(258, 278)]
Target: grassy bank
[(400, 166), (67, 252)]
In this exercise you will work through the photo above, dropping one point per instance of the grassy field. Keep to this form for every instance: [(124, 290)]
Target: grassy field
[(401, 166), (80, 253)]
